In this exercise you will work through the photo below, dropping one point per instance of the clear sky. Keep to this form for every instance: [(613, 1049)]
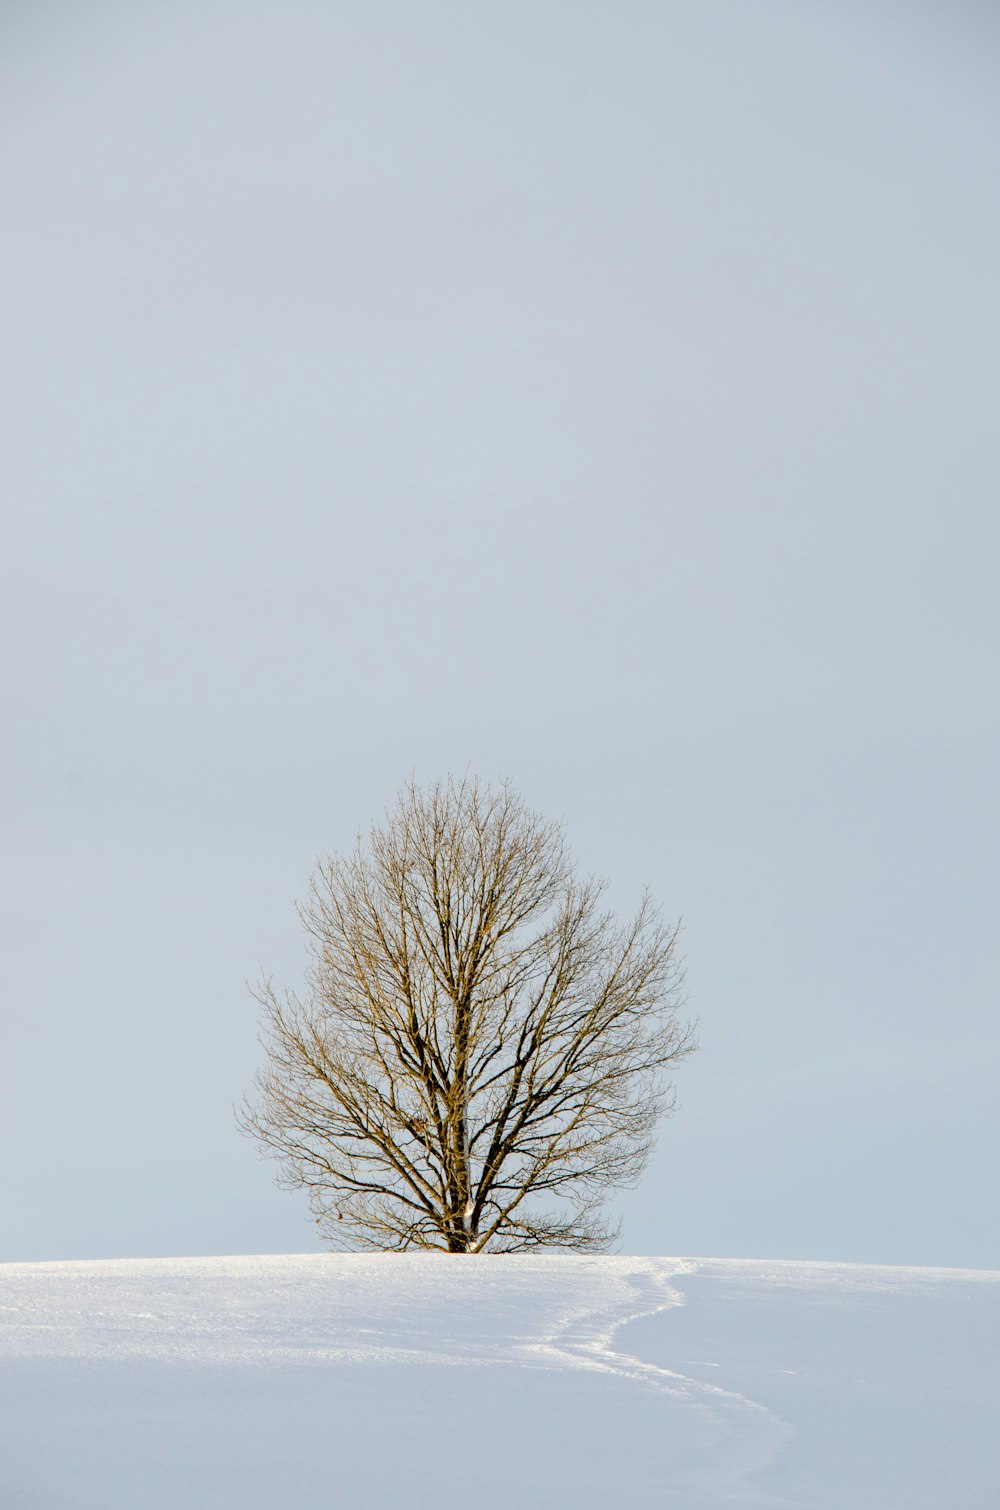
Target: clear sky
[(603, 396)]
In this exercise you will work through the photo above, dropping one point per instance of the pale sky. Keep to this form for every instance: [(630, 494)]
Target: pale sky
[(602, 396)]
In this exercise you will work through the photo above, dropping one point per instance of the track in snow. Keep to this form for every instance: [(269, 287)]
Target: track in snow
[(399, 1380)]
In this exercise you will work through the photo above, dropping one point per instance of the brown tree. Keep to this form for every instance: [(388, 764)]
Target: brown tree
[(479, 1057)]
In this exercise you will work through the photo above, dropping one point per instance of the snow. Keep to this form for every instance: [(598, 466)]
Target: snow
[(416, 1381)]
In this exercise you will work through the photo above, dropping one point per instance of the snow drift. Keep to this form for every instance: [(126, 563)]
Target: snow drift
[(419, 1381)]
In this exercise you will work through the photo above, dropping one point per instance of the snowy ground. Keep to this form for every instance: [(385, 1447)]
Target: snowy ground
[(412, 1382)]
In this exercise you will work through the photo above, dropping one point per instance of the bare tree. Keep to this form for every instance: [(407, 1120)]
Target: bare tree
[(479, 1057)]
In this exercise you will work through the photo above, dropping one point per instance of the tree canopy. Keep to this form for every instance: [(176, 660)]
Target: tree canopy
[(479, 1056)]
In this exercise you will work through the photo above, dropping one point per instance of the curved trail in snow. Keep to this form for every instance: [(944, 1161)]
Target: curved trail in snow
[(749, 1434), (648, 1382)]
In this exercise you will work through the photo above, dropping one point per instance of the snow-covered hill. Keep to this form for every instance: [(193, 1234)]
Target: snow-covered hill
[(427, 1381)]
